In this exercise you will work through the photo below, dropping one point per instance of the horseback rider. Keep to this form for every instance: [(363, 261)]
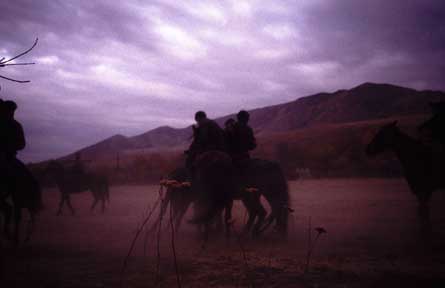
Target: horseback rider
[(240, 139), (78, 168), (13, 140), (207, 136), (14, 137), (433, 130)]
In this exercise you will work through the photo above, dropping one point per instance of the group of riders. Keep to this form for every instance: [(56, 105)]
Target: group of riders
[(237, 139)]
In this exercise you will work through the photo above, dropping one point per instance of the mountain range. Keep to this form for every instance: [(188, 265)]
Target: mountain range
[(368, 101)]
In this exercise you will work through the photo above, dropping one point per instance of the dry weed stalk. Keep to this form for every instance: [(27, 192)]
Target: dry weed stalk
[(138, 232), (319, 230)]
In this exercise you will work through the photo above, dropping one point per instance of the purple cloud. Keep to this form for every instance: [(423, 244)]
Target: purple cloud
[(106, 68)]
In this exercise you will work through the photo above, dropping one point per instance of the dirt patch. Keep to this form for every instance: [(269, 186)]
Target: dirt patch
[(372, 241)]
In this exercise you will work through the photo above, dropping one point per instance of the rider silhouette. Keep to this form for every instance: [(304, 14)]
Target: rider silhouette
[(207, 136), (14, 137), (12, 140), (241, 139)]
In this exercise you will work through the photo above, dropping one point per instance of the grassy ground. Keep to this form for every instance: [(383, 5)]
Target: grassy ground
[(371, 241)]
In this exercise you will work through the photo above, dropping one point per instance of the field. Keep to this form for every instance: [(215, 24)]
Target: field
[(371, 241)]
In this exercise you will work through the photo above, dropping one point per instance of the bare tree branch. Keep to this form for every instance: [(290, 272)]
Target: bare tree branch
[(4, 63), (21, 54), (16, 64), (14, 80)]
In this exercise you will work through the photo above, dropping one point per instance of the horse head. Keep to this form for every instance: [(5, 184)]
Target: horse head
[(383, 140)]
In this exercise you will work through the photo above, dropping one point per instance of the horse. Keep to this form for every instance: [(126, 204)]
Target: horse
[(422, 166), (214, 187), (180, 198), (24, 191), (264, 175), (73, 183)]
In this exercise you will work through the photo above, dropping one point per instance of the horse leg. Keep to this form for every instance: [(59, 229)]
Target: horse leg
[(252, 215), (268, 221), (283, 220), (179, 212), (103, 205), (30, 226), (94, 203), (17, 219), (228, 218), (62, 201), (261, 213), (68, 202), (7, 211), (205, 236)]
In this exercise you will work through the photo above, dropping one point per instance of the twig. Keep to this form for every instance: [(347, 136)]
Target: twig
[(4, 63), (138, 232), (14, 80), (21, 54), (320, 231), (17, 64), (147, 234), (158, 250), (178, 280)]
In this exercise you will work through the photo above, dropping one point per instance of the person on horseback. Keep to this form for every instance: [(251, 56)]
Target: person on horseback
[(78, 168), (207, 136), (432, 131), (241, 139), (14, 137), (13, 140), (229, 126)]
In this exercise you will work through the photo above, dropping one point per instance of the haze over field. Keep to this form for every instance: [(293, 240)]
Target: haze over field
[(106, 68)]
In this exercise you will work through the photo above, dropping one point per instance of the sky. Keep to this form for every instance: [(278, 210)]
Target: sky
[(125, 67)]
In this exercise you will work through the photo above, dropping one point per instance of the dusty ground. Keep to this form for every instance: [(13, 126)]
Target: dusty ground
[(371, 241)]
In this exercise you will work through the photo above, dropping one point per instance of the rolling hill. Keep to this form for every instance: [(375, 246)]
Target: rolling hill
[(365, 102)]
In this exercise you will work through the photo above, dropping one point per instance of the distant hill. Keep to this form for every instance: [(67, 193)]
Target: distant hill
[(365, 102)]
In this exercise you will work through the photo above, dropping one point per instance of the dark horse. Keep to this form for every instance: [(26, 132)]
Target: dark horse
[(423, 168), (72, 183), (264, 175), (213, 183), (24, 191)]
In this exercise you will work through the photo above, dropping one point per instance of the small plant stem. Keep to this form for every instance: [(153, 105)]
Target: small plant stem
[(178, 280), (138, 232), (309, 254), (158, 250)]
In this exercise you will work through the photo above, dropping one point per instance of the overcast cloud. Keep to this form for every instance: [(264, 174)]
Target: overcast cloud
[(109, 67)]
